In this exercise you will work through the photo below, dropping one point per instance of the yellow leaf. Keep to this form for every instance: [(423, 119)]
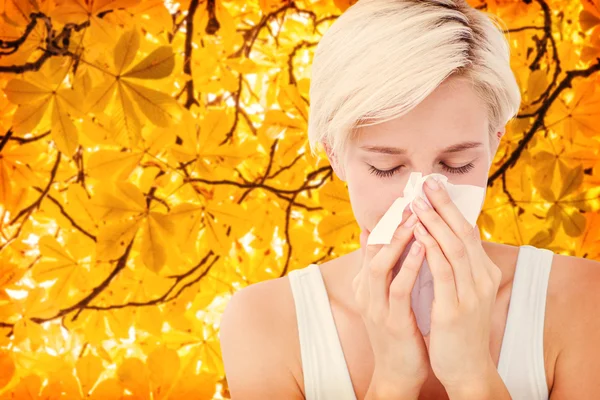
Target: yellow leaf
[(545, 163), (486, 223), (24, 177), (160, 108), (19, 91), (27, 329), (120, 321), (195, 386), (81, 209), (537, 84), (28, 116), (243, 65), (573, 222), (69, 12), (158, 64), (115, 165), (126, 49), (35, 306), (102, 130), (156, 237), (99, 97), (64, 131), (572, 181), (118, 200), (113, 239), (268, 6), (28, 388), (334, 195), (57, 264), (592, 6), (277, 123), (125, 119), (153, 16), (106, 5), (7, 368), (587, 200), (216, 236), (580, 114), (94, 329), (159, 140), (164, 365), (213, 129), (149, 319), (234, 215), (108, 389), (343, 5), (554, 217), (50, 248), (9, 272), (133, 375), (52, 72), (290, 100), (210, 351), (73, 101), (542, 239), (5, 184), (89, 368), (338, 228), (547, 193), (187, 218)]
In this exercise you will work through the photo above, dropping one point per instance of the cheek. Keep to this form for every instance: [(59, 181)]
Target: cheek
[(370, 198)]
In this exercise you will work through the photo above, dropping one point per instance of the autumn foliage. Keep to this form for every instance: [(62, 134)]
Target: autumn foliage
[(154, 160)]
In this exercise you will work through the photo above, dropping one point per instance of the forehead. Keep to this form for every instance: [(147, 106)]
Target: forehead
[(451, 113)]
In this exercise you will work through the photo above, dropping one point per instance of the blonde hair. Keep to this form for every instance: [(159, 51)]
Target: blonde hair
[(381, 58)]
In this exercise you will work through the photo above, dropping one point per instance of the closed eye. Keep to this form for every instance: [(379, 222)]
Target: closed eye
[(389, 172)]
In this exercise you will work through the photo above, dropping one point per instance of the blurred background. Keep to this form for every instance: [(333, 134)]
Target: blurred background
[(154, 160)]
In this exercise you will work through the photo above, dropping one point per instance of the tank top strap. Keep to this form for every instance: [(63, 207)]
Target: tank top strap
[(326, 374), (521, 363)]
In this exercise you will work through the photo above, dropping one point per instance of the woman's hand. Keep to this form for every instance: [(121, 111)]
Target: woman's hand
[(465, 283), (401, 361)]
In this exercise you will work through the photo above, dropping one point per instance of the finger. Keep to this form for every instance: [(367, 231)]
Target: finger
[(444, 206), (453, 248), (369, 251), (402, 286), (380, 269), (444, 286)]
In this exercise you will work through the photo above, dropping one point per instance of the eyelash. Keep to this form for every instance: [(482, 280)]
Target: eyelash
[(387, 173)]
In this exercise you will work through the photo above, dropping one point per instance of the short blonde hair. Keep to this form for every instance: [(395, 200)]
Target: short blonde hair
[(381, 58)]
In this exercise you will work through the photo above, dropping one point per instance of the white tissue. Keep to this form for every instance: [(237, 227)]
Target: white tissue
[(468, 199)]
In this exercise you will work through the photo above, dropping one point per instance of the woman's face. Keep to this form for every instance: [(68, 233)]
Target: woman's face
[(447, 133)]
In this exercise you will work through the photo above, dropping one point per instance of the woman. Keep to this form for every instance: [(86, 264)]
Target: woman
[(401, 86)]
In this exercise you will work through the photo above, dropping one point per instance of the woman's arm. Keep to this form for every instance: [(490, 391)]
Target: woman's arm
[(252, 345)]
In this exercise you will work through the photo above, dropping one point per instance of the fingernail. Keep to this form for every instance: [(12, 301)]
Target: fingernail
[(411, 221), (432, 184), (421, 203), (415, 248)]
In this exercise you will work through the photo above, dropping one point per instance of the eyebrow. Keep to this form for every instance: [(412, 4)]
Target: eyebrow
[(395, 150)]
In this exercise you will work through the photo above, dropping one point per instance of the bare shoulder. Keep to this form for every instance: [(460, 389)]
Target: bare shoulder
[(574, 292), (255, 332)]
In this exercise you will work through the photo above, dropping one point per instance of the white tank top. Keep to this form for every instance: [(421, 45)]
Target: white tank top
[(521, 363)]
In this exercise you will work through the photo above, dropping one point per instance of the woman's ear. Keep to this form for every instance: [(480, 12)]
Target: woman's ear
[(333, 160), (496, 142)]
